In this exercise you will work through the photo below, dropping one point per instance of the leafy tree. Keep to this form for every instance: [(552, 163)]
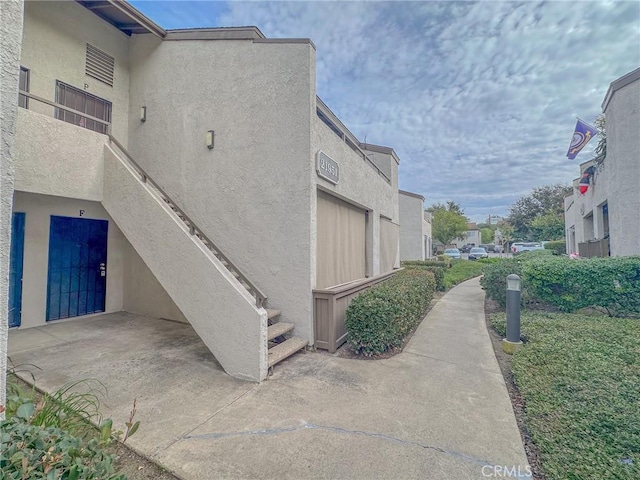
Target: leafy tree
[(486, 235), (447, 225), (549, 226), (505, 233), (548, 199), (450, 206)]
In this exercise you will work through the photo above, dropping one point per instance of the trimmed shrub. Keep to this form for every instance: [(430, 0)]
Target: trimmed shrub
[(609, 283), (381, 318), (494, 279), (437, 270), (558, 247), (526, 255), (426, 263), (444, 258)]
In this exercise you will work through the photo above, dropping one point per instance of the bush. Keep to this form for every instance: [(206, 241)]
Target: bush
[(609, 283), (427, 263), (30, 451), (494, 279), (444, 258), (558, 247), (381, 318), (437, 268)]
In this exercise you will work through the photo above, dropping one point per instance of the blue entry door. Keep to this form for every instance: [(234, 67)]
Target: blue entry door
[(77, 267), (16, 257)]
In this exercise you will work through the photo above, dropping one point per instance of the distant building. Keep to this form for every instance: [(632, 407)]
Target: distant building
[(606, 219), (415, 227), (472, 236)]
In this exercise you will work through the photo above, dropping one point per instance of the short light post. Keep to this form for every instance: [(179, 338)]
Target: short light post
[(513, 343)]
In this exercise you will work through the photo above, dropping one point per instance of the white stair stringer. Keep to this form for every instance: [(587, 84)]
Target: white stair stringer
[(218, 307)]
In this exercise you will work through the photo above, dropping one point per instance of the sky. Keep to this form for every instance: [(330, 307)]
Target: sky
[(478, 99)]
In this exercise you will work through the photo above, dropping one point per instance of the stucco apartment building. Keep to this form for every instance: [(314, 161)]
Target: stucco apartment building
[(472, 235), (416, 242), (191, 175), (606, 219)]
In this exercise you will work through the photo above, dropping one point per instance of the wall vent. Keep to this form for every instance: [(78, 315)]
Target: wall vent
[(100, 65)]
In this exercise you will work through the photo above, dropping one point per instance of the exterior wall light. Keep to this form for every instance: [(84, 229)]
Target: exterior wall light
[(210, 138), (143, 114)]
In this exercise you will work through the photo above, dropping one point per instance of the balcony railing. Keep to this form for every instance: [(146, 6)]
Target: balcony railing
[(84, 117)]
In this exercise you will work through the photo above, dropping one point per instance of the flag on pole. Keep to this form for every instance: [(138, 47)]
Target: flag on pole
[(585, 180), (581, 136)]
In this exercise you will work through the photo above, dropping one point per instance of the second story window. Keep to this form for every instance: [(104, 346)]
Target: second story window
[(85, 103), (23, 100)]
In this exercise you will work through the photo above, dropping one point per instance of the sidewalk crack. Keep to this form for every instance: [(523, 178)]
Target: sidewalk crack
[(340, 430)]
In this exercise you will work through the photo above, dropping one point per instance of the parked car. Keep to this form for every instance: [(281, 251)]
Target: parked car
[(452, 253), (467, 248), (497, 249), (478, 253), (520, 247), (487, 246)]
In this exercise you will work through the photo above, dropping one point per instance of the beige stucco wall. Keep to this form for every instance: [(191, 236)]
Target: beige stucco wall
[(412, 227), (623, 166), (38, 210), (10, 35), (251, 193), (615, 181), (143, 293), (360, 184), (54, 47), (58, 158), (219, 309)]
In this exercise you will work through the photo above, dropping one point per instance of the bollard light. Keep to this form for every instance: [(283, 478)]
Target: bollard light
[(512, 342), (513, 282)]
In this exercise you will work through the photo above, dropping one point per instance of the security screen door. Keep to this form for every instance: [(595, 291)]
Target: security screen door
[(77, 267)]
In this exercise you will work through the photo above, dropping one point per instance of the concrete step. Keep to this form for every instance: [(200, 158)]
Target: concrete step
[(272, 313), (278, 329), (286, 349)]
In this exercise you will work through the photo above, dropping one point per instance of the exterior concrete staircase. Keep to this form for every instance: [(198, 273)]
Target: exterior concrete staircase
[(281, 347), (280, 344)]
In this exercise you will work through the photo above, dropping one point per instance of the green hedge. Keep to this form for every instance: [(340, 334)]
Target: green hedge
[(437, 268), (381, 318), (558, 247), (426, 263), (612, 284), (494, 279), (609, 283)]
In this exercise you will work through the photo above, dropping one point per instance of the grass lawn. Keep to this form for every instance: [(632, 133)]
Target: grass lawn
[(460, 271), (579, 377)]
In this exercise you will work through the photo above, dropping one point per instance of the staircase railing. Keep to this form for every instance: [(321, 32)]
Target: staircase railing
[(194, 229)]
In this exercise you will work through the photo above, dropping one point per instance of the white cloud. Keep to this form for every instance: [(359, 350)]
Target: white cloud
[(478, 99)]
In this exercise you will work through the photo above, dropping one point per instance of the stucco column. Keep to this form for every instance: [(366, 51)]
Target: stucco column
[(11, 13)]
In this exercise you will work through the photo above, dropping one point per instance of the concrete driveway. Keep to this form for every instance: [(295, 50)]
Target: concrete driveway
[(439, 410)]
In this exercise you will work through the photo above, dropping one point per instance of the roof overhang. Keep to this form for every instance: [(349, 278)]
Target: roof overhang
[(618, 84), (123, 16)]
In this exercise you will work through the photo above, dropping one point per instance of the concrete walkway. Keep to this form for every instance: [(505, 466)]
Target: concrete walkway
[(439, 410)]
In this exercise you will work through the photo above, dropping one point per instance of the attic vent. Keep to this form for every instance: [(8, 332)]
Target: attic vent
[(100, 65)]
